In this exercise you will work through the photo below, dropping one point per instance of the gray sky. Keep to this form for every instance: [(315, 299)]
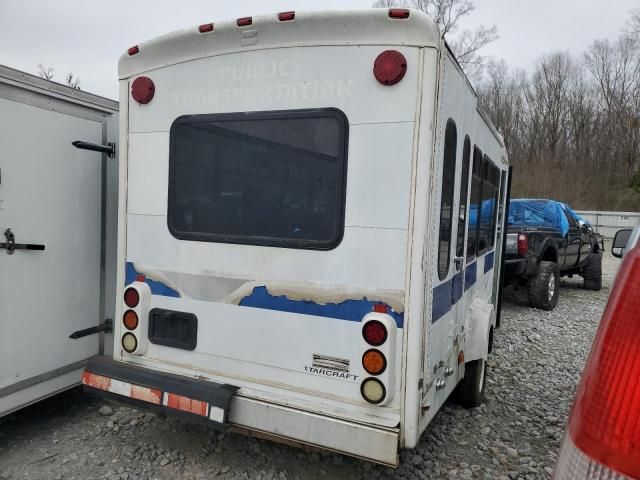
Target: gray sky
[(87, 37)]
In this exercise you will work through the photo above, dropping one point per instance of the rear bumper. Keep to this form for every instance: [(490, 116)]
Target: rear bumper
[(519, 267), (222, 406)]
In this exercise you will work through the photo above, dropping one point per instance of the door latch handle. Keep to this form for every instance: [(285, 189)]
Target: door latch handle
[(12, 246), (458, 262)]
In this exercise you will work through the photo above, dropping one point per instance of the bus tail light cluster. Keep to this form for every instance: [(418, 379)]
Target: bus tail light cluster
[(603, 434), (379, 339), (133, 329)]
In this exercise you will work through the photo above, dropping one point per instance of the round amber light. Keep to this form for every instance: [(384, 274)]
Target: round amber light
[(374, 362), (129, 342), (130, 319), (373, 390)]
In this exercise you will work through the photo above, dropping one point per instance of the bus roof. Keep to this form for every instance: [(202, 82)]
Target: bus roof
[(315, 28)]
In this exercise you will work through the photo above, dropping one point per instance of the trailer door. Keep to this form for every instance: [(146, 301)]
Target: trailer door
[(50, 210)]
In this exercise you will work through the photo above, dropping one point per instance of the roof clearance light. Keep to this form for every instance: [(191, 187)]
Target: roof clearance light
[(143, 90), (374, 362), (399, 13), (245, 21), (390, 67), (129, 342), (133, 50), (373, 391), (374, 333), (286, 16), (604, 430), (206, 28)]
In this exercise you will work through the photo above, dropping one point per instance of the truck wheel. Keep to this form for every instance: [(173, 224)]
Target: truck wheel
[(592, 272), (470, 391), (544, 288)]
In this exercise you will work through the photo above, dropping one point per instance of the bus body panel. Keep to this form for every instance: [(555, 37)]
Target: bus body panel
[(269, 316)]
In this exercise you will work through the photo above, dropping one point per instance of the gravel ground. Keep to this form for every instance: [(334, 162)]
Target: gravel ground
[(536, 364)]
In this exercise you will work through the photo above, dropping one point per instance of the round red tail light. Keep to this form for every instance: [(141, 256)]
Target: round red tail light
[(390, 67), (143, 90), (374, 333), (131, 297)]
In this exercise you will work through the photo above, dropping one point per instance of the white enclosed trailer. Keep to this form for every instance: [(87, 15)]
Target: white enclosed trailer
[(308, 238), (57, 234)]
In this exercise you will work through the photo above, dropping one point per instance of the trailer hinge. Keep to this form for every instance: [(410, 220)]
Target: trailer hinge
[(106, 327), (109, 148), (420, 383)]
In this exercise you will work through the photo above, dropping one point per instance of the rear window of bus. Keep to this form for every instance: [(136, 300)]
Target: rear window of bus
[(259, 178)]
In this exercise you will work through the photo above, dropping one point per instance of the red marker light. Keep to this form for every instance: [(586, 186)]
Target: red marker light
[(380, 308), (374, 333), (245, 21), (133, 50), (286, 16), (143, 90), (206, 28), (390, 67), (399, 13)]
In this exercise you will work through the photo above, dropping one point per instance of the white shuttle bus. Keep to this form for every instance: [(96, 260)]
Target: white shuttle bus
[(308, 239)]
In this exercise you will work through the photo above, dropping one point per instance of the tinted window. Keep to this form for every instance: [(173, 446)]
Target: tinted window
[(464, 190), (490, 181), (446, 198), (268, 178), (474, 203)]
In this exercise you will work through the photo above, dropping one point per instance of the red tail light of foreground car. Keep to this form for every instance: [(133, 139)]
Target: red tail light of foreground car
[(603, 434)]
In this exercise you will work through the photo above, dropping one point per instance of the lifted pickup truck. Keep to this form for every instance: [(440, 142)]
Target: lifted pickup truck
[(546, 240)]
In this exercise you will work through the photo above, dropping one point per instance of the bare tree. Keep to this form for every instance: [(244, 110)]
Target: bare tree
[(73, 82), (45, 72), (448, 14), (633, 26)]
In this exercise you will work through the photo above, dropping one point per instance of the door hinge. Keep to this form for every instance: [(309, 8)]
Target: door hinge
[(109, 148), (106, 327)]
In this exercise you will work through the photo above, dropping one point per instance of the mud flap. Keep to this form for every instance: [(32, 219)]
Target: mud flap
[(478, 327)]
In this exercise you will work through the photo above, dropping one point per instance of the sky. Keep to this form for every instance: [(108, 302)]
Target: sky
[(88, 37)]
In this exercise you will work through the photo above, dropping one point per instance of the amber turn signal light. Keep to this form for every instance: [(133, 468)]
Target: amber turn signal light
[(374, 362), (130, 319)]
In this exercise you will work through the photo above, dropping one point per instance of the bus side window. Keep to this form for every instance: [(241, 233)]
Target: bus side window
[(487, 206), (446, 199), (474, 206), (464, 192), (495, 185)]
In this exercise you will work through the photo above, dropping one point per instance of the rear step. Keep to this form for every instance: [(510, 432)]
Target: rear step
[(188, 398)]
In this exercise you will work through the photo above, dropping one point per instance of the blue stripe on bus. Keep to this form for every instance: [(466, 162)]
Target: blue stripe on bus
[(441, 303), (470, 275), (456, 287), (353, 310), (157, 288), (488, 261)]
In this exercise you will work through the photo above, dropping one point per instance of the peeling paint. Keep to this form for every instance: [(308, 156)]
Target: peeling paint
[(348, 303)]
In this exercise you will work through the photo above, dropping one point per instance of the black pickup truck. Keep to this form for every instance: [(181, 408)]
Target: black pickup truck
[(546, 240)]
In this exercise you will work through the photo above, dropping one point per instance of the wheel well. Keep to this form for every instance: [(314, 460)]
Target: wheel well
[(550, 255)]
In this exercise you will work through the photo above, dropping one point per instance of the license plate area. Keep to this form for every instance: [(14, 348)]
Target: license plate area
[(173, 329)]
